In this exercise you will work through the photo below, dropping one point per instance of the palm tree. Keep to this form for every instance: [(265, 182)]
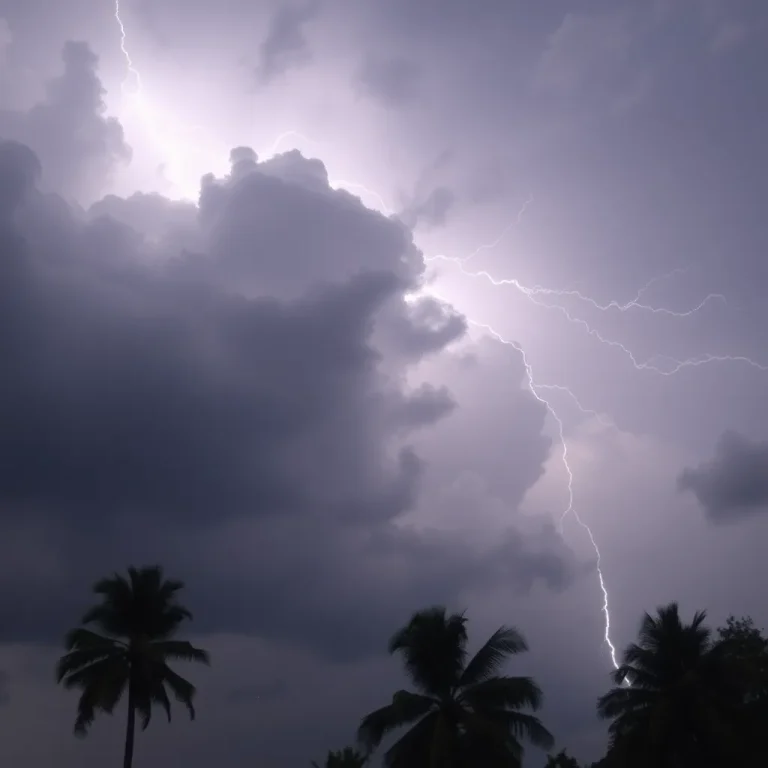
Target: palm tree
[(675, 702), (463, 712), (137, 618), (348, 757)]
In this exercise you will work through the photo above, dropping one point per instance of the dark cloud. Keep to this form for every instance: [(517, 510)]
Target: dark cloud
[(394, 81), (70, 132), (223, 389), (285, 45), (316, 455), (734, 484), (21, 171)]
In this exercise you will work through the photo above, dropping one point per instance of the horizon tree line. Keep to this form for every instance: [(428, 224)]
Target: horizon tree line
[(683, 696)]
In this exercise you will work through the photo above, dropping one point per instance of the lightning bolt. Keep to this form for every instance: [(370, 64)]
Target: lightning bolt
[(651, 364), (513, 223), (632, 303), (570, 508), (674, 366), (128, 60), (167, 135), (534, 387)]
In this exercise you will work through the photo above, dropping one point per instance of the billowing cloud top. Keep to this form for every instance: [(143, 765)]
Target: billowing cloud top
[(225, 387)]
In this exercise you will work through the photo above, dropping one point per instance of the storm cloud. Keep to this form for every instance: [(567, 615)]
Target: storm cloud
[(340, 309), (241, 397), (78, 143), (734, 484)]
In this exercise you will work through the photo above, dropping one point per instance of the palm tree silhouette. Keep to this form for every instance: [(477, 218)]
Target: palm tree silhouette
[(137, 618), (681, 705), (464, 711)]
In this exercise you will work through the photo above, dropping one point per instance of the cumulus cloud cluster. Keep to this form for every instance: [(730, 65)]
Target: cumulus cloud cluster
[(233, 389), (69, 130)]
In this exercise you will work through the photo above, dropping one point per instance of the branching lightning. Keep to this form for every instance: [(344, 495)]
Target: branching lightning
[(513, 223), (651, 364), (674, 366), (659, 364), (633, 303), (534, 388)]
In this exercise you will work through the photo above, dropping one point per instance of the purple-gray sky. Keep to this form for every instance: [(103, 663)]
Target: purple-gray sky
[(288, 399)]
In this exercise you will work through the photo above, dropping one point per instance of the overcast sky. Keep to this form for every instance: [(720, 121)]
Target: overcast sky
[(303, 384)]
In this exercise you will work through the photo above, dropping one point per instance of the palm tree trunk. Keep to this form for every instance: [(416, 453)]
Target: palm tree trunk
[(130, 728)]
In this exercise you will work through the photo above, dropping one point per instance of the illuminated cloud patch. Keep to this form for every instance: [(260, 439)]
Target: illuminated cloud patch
[(78, 143)]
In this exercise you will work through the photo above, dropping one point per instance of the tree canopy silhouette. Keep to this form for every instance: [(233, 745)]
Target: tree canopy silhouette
[(137, 619), (464, 712), (676, 701)]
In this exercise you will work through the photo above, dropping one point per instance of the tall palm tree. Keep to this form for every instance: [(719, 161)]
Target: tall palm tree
[(348, 757), (676, 702), (137, 619), (464, 712)]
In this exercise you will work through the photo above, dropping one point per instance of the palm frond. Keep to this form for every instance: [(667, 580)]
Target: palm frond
[(81, 638), (160, 696), (101, 691), (86, 714), (109, 668), (504, 642), (142, 604), (76, 660), (522, 725), (183, 691), (179, 650), (405, 708), (503, 693), (641, 675), (489, 747), (114, 685), (348, 757), (433, 647), (619, 701), (414, 748), (488, 740)]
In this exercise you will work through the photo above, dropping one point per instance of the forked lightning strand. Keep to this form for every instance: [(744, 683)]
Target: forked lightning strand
[(651, 364), (570, 509), (129, 62)]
